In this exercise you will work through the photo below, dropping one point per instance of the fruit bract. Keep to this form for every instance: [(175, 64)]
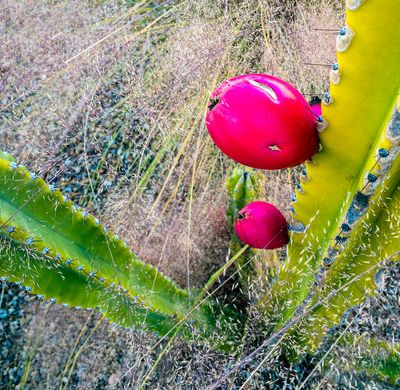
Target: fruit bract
[(262, 122), (261, 225)]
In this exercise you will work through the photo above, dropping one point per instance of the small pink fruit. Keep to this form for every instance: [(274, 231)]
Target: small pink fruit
[(261, 225), (262, 121), (316, 109)]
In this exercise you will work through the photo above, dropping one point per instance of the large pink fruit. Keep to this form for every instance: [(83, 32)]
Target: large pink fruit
[(262, 121), (261, 225)]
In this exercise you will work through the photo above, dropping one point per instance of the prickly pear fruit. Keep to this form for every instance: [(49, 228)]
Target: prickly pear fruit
[(261, 225), (262, 122)]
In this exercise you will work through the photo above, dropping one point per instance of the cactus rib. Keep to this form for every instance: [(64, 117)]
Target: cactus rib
[(63, 284), (52, 224)]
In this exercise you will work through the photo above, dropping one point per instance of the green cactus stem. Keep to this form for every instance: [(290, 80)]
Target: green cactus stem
[(60, 283), (62, 252), (377, 359), (39, 215)]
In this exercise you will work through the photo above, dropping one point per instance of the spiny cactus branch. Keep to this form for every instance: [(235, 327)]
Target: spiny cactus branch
[(39, 215), (67, 256)]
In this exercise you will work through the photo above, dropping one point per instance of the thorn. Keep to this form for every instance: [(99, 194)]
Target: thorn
[(315, 64)]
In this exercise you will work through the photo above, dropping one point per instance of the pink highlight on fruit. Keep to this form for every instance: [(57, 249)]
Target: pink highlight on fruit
[(261, 121), (261, 225)]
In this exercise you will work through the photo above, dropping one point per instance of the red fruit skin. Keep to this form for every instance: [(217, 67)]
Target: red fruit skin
[(316, 109), (261, 225), (263, 122)]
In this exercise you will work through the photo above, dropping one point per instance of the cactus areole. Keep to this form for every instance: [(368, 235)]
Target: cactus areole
[(261, 225), (262, 122)]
